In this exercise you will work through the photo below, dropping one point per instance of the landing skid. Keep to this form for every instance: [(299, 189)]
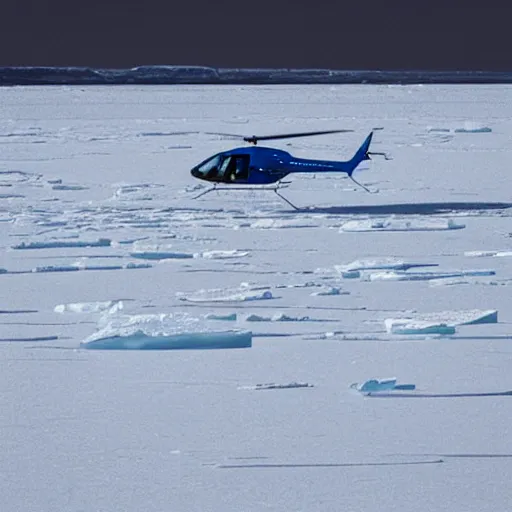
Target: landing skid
[(273, 188)]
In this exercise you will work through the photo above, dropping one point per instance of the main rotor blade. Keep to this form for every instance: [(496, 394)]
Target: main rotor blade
[(254, 138), (229, 135)]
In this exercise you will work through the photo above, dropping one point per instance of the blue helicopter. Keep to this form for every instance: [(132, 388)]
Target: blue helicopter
[(257, 167)]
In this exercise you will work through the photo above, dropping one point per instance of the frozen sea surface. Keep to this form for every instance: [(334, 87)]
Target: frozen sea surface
[(96, 211)]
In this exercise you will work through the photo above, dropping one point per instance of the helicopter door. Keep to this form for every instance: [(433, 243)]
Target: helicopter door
[(234, 168)]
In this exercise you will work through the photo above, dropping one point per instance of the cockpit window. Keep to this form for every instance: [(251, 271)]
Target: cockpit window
[(210, 168), (225, 168)]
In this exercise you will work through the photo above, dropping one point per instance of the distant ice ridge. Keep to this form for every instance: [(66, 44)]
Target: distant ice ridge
[(471, 280), (273, 385), (276, 317), (355, 268), (425, 276), (245, 292), (443, 322), (279, 224), (57, 244), (394, 224), (394, 269), (81, 265), (412, 326), (165, 252), (329, 290), (493, 254), (376, 385), (173, 331), (111, 306), (468, 127)]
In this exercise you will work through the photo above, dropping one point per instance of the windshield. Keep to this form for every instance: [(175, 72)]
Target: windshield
[(221, 167), (209, 168)]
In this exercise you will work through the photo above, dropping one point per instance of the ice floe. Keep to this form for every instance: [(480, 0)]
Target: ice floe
[(230, 317), (441, 322), (329, 290), (81, 266), (60, 244), (138, 191), (273, 385), (276, 317), (160, 255), (412, 326), (483, 254), (166, 252), (376, 385), (394, 224), (279, 224), (456, 281), (172, 331), (355, 268), (242, 293), (90, 307), (467, 127), (425, 276), (69, 187), (220, 255)]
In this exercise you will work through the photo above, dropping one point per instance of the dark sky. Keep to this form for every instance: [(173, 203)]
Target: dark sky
[(334, 34)]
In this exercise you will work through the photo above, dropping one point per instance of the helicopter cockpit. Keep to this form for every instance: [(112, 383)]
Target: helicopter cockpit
[(223, 168)]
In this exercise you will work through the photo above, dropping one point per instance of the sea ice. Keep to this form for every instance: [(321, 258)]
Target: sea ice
[(215, 316), (160, 255), (88, 307), (56, 268), (393, 224), (454, 281), (84, 266), (329, 290), (213, 255), (424, 276), (282, 317), (276, 317), (176, 331), (58, 244), (376, 385), (441, 318), (253, 317), (282, 224), (68, 187), (240, 294), (468, 127), (412, 326), (481, 254), (353, 270), (272, 385)]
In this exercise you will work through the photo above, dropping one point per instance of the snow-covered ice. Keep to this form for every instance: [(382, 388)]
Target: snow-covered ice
[(412, 326), (273, 385), (236, 294), (393, 224), (103, 247)]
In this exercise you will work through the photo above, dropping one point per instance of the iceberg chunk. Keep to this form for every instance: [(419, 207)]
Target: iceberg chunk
[(89, 307), (375, 385), (163, 332), (442, 318), (411, 326), (353, 270), (392, 224)]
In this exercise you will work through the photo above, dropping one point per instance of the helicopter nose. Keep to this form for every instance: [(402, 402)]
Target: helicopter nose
[(195, 173)]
